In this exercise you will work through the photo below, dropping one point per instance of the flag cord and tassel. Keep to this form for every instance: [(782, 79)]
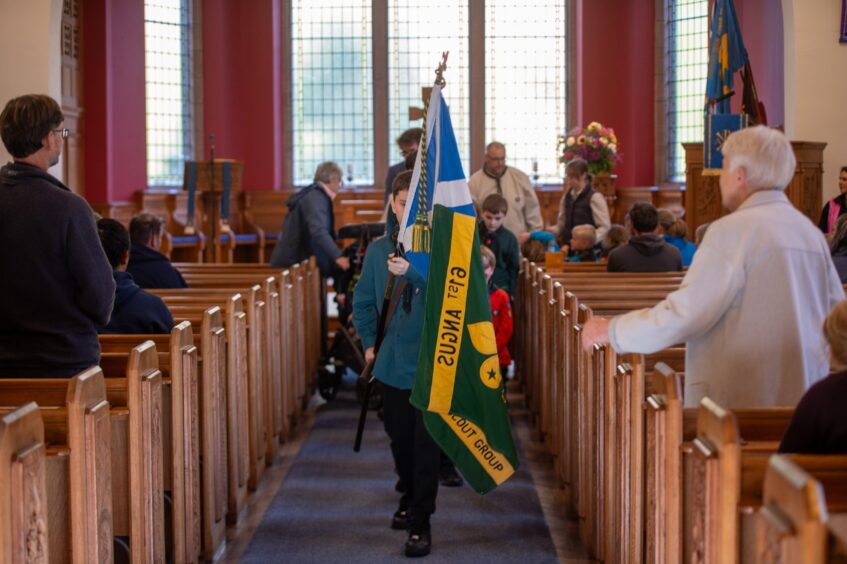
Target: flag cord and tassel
[(421, 230)]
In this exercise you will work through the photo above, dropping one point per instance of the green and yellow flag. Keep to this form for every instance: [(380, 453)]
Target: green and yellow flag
[(458, 384)]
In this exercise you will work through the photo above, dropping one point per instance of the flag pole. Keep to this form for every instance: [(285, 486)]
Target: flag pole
[(382, 322)]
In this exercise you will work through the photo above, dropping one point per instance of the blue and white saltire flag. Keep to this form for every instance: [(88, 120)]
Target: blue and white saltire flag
[(439, 179)]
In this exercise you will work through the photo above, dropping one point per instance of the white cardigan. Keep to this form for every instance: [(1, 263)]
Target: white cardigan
[(750, 309)]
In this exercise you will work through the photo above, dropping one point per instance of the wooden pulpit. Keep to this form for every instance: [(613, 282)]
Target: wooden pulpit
[(703, 194)]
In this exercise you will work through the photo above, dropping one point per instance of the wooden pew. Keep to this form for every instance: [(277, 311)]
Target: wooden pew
[(724, 486), (800, 493), (202, 354), (262, 432), (23, 487), (178, 361), (79, 481), (136, 445)]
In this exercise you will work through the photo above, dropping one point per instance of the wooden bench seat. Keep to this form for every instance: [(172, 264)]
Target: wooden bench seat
[(136, 446), (206, 349)]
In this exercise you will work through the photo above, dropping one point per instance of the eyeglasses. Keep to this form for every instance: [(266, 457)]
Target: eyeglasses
[(63, 132)]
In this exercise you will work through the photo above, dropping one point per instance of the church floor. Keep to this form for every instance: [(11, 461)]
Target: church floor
[(321, 502)]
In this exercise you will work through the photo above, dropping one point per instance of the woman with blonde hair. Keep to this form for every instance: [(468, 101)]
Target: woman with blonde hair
[(818, 425)]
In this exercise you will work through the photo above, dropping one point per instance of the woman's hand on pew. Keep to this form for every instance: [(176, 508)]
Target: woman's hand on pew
[(596, 330)]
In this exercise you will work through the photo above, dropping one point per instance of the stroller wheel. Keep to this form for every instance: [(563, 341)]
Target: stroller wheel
[(328, 384), (375, 399)]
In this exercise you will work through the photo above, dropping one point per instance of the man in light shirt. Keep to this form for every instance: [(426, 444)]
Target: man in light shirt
[(751, 307), (524, 215)]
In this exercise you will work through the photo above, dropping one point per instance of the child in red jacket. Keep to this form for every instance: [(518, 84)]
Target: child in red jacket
[(501, 311)]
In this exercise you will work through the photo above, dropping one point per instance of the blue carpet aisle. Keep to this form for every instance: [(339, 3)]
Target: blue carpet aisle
[(336, 505)]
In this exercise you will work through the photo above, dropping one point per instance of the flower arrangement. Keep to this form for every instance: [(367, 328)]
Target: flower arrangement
[(596, 145)]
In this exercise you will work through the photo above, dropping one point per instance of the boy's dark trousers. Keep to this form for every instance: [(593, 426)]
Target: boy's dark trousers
[(416, 456)]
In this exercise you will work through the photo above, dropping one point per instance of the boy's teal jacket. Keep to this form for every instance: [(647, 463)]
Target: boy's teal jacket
[(397, 360)]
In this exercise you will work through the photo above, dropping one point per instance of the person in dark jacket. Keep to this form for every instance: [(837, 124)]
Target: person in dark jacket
[(309, 230), (309, 227), (838, 248), (502, 242), (135, 311), (581, 204), (646, 251), (407, 143), (56, 286), (818, 425), (836, 207), (149, 267)]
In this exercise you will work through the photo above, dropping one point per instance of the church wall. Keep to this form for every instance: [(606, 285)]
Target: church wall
[(816, 81), (762, 29), (241, 87), (113, 76), (615, 80), (30, 53)]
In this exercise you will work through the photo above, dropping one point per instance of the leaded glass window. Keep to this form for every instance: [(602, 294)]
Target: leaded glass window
[(167, 41), (332, 88), (525, 89), (687, 65)]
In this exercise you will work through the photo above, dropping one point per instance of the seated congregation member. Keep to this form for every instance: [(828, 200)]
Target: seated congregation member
[(617, 236), (502, 242), (416, 456), (581, 204), (818, 425), (699, 233), (646, 251), (56, 286), (534, 251), (675, 232), (149, 267), (838, 248), (547, 238), (135, 311), (750, 308), (501, 312), (583, 239), (836, 207)]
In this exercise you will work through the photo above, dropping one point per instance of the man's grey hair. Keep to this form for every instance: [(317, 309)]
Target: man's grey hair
[(765, 154), (328, 171), (495, 145), (585, 232)]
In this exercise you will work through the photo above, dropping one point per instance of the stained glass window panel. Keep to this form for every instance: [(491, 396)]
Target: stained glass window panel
[(525, 88), (167, 34), (418, 32), (332, 88), (687, 64)]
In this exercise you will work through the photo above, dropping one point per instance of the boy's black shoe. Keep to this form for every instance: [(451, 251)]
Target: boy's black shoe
[(400, 521), (449, 478), (419, 543)]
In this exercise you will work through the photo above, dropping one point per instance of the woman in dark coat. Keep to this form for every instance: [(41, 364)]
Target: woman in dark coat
[(836, 207)]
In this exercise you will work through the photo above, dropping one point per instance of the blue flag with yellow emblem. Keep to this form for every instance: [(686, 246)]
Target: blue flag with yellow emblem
[(726, 55), (458, 385), (438, 178)]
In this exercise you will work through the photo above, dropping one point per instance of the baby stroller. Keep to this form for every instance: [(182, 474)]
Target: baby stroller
[(346, 349)]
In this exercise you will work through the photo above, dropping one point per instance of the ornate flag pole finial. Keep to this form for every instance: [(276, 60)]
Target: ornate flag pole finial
[(421, 230)]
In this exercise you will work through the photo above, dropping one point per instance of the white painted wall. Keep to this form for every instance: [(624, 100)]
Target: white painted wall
[(816, 81), (30, 55)]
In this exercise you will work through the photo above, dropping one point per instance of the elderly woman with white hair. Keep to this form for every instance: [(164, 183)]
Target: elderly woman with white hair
[(751, 306)]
